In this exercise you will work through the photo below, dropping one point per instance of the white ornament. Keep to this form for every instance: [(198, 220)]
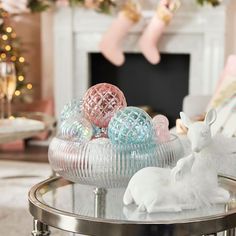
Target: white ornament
[(15, 7), (191, 184)]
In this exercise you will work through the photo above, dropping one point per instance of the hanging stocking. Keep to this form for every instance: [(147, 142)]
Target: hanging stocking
[(14, 7), (151, 35), (111, 43)]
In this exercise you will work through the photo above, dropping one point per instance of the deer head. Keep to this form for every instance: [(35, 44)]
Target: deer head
[(199, 133)]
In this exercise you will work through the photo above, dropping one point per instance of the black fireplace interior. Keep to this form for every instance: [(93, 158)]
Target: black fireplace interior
[(161, 87)]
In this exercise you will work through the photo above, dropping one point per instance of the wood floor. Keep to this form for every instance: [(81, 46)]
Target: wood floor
[(31, 153)]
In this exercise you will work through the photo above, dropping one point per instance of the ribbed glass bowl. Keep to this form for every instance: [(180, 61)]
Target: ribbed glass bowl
[(103, 164)]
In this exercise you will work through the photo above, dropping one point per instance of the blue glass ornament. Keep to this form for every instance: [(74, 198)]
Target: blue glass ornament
[(130, 125), (79, 130), (72, 109)]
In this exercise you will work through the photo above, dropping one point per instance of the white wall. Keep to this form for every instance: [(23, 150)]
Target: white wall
[(231, 30), (47, 54)]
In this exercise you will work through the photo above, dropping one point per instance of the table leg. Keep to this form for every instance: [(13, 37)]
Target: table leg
[(100, 202), (230, 232), (40, 229)]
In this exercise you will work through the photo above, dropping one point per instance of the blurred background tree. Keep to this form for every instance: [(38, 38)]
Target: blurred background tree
[(12, 50)]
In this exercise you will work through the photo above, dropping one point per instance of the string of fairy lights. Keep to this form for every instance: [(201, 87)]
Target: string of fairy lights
[(11, 50)]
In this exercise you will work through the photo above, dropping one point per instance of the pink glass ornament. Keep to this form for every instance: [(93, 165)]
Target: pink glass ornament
[(101, 102), (161, 126)]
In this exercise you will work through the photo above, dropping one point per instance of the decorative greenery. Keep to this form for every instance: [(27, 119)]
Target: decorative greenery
[(11, 51), (214, 3), (104, 6), (39, 6)]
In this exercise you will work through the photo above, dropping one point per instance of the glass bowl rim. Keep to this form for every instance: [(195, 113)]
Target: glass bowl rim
[(173, 138)]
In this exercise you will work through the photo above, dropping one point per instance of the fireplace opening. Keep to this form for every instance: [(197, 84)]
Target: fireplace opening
[(159, 88)]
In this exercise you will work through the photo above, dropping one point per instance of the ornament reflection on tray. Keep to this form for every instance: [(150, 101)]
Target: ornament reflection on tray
[(108, 142)]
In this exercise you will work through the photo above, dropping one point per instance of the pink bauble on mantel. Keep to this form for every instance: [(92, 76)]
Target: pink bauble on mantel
[(161, 126), (101, 102)]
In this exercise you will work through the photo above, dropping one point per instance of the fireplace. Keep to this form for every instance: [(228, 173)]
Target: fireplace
[(160, 87), (200, 43)]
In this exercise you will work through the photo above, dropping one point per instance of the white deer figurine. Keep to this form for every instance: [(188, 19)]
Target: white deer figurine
[(191, 184)]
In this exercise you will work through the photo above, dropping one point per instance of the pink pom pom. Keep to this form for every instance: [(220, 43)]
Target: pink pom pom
[(101, 103), (161, 126)]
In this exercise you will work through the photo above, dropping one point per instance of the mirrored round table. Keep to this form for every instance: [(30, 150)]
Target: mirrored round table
[(87, 210)]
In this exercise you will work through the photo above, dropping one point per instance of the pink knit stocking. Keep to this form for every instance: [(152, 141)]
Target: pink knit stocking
[(111, 44), (152, 34)]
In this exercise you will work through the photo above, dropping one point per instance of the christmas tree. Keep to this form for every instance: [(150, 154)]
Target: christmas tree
[(11, 51)]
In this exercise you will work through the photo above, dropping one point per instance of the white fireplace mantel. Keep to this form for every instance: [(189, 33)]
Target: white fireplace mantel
[(204, 33)]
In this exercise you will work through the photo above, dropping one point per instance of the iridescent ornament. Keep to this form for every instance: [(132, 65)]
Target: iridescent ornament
[(79, 130), (101, 102), (161, 126), (72, 109), (130, 125)]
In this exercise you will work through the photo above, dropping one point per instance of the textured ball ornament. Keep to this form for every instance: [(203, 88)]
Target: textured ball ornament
[(101, 102), (130, 125), (78, 130), (161, 126), (72, 109)]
